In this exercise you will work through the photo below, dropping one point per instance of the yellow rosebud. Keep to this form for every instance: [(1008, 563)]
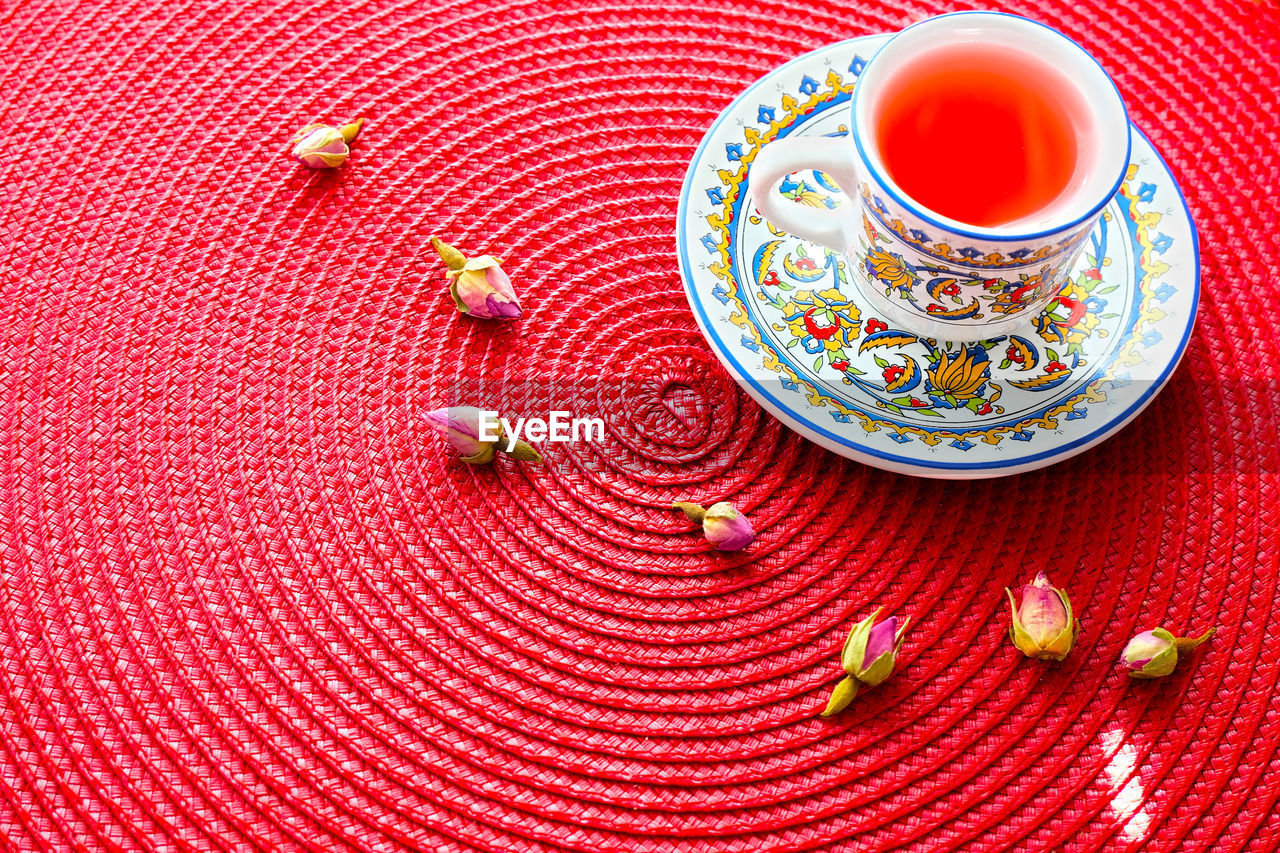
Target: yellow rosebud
[(722, 524), (1154, 653), (320, 146), (1043, 625), (478, 285)]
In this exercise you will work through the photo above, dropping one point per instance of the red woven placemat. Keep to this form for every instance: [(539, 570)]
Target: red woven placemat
[(247, 601)]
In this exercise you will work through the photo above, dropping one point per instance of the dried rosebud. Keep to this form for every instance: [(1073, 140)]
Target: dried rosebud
[(869, 656), (478, 285), (871, 651), (1154, 653), (1043, 625), (724, 526), (478, 435), (323, 147), (462, 428)]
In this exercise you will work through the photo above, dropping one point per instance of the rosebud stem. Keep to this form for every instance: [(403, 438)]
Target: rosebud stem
[(452, 258), (1186, 644), (842, 696), (692, 511), (522, 452), (351, 131)]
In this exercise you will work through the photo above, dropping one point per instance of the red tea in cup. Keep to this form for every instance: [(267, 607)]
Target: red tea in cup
[(981, 134)]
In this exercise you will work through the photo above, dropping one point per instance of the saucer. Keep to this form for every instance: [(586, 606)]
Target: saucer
[(785, 318)]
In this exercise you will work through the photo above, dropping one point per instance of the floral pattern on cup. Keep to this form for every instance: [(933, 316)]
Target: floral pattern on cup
[(916, 237), (951, 292)]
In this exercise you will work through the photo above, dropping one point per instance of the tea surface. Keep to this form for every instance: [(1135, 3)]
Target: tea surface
[(980, 134)]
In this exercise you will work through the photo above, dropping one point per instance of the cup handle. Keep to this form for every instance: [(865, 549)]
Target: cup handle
[(831, 154)]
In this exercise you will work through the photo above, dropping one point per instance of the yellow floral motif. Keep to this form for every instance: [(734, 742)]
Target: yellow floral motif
[(960, 375), (1086, 324), (889, 268), (1075, 291), (810, 198), (826, 320), (1067, 319), (1018, 294)]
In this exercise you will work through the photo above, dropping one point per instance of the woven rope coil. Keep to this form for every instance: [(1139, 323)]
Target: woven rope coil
[(248, 600)]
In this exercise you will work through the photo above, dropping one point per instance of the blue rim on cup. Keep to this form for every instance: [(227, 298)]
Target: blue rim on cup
[(961, 228)]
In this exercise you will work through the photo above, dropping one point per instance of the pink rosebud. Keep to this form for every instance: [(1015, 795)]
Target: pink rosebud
[(1154, 653), (478, 285), (1043, 625), (477, 435), (323, 147), (1140, 650), (724, 526), (462, 427), (871, 651), (879, 640), (868, 657)]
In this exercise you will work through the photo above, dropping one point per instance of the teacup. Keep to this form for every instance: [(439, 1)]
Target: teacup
[(934, 271)]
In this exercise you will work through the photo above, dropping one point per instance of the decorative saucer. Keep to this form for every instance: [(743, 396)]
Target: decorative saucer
[(784, 317)]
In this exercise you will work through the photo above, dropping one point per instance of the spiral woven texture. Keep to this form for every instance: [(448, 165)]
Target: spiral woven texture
[(248, 600)]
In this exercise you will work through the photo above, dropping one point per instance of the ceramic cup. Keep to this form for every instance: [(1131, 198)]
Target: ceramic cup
[(930, 274)]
